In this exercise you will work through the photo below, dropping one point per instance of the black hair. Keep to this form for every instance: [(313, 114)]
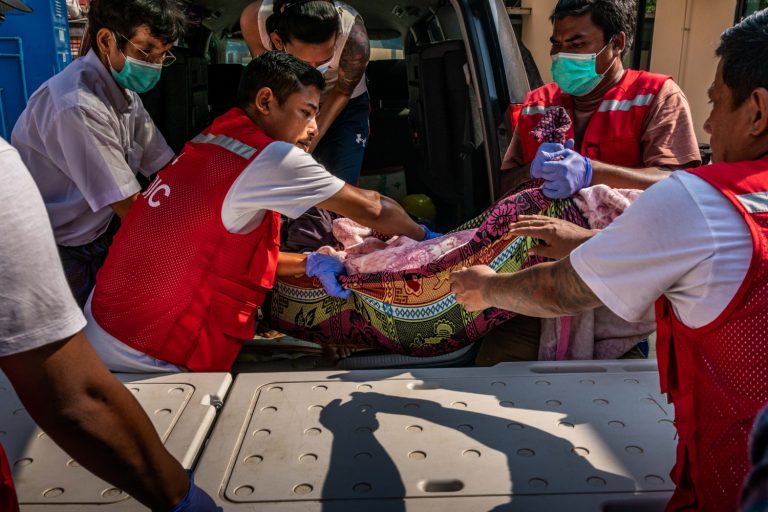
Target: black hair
[(744, 51), (308, 21), (283, 73), (165, 19), (612, 16)]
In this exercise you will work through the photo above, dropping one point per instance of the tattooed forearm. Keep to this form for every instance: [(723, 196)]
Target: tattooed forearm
[(571, 292), (354, 58), (545, 291)]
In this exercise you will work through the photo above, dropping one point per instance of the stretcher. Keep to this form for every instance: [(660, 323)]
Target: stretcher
[(518, 436)]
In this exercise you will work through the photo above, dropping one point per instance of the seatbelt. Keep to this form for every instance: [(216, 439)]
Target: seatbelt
[(472, 140)]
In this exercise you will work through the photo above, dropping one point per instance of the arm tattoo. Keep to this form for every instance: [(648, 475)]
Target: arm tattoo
[(547, 290), (571, 292), (354, 58), (514, 292)]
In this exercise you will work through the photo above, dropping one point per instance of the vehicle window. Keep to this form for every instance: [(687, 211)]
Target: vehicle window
[(387, 49), (747, 7), (236, 52), (640, 55)]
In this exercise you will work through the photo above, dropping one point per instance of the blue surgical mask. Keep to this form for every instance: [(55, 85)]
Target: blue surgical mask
[(137, 75), (576, 73), (322, 68)]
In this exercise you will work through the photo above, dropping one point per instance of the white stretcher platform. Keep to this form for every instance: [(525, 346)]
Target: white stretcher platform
[(575, 436), (182, 408)]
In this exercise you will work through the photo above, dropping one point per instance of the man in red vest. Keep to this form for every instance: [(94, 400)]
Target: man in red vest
[(191, 264), (696, 244), (629, 129)]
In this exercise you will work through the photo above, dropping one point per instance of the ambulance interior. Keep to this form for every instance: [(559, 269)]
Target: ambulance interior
[(426, 122)]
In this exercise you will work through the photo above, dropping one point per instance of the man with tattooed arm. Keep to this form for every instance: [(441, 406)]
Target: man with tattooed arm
[(696, 245), (331, 37)]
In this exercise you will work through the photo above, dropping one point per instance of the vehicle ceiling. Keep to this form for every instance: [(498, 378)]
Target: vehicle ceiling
[(384, 19)]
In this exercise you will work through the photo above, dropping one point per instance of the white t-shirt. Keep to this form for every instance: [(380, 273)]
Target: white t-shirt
[(681, 238), (84, 139), (36, 304), (283, 179)]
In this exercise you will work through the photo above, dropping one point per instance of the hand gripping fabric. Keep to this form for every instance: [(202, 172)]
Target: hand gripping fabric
[(412, 311), (565, 173), (428, 234), (327, 269)]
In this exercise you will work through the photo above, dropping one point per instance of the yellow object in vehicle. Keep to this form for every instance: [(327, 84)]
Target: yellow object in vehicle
[(420, 206)]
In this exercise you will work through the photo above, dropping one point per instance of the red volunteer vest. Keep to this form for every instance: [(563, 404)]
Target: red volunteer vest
[(614, 130), (176, 284), (717, 375), (8, 500)]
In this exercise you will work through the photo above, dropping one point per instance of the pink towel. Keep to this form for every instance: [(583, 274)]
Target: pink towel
[(596, 334), (364, 253)]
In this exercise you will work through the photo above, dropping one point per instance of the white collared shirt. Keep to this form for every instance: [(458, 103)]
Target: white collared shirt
[(84, 139)]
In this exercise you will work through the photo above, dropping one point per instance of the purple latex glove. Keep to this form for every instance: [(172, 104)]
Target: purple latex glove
[(565, 172), (429, 235), (328, 269), (543, 155), (196, 500)]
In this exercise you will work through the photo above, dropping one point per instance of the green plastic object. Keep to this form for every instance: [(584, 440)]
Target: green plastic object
[(420, 206)]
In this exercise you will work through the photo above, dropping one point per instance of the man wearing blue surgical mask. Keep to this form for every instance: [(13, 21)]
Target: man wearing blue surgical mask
[(630, 129), (85, 133)]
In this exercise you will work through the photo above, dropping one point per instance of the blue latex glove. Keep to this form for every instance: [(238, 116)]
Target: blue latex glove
[(429, 235), (328, 269), (565, 173), (196, 500), (543, 154)]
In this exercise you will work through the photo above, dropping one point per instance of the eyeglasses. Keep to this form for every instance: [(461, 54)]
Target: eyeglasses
[(165, 59)]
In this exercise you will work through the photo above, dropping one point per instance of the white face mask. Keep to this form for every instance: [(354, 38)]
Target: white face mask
[(322, 68)]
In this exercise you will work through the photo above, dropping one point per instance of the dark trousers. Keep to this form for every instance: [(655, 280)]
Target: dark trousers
[(82, 262), (343, 146)]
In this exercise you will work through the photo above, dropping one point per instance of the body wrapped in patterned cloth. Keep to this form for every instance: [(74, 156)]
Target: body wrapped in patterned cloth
[(412, 311)]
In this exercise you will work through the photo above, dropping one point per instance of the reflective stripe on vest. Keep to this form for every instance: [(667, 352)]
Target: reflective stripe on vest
[(613, 133), (716, 373), (537, 110), (228, 143), (643, 100), (197, 302), (754, 203)]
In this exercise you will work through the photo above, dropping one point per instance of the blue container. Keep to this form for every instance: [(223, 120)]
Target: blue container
[(33, 48)]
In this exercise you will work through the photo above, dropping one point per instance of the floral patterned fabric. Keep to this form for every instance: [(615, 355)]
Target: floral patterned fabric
[(413, 311), (553, 127)]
